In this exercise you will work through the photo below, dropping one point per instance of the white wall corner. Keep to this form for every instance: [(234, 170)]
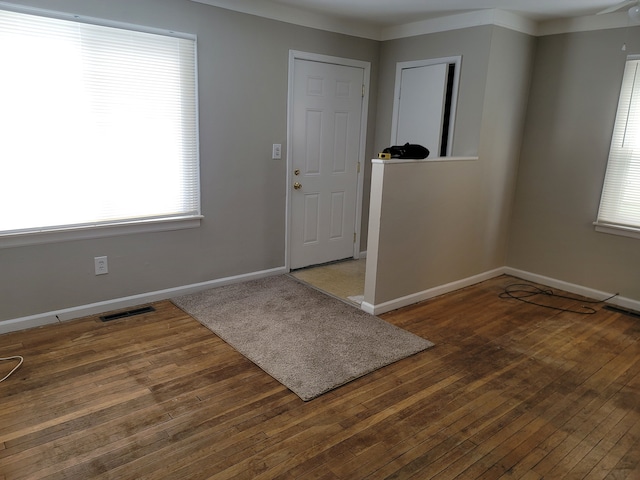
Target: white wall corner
[(515, 22)]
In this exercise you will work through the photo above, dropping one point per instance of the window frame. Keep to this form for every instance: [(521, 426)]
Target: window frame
[(125, 226), (601, 225)]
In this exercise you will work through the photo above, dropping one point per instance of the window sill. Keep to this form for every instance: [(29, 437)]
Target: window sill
[(617, 230), (98, 231)]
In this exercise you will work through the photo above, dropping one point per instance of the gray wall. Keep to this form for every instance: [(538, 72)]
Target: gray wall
[(442, 222), (243, 74), (474, 45), (573, 102), (243, 63), (504, 111)]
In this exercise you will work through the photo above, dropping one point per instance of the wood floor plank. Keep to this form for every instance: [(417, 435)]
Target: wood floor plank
[(510, 390), (617, 444), (477, 417)]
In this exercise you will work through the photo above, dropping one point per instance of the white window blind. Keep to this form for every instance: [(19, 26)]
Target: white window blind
[(620, 202), (98, 125)]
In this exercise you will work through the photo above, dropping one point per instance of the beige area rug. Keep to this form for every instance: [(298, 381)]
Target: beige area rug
[(307, 340)]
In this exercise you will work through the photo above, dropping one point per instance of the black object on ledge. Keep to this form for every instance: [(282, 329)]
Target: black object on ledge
[(408, 151)]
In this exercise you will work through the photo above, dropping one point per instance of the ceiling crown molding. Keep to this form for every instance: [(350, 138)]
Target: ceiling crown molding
[(330, 23), (584, 24), (297, 16), (462, 20)]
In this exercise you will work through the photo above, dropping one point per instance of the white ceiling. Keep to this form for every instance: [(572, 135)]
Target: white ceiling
[(389, 19)]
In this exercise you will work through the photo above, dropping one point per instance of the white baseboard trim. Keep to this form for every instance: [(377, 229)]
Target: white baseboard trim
[(430, 293), (57, 316), (623, 302)]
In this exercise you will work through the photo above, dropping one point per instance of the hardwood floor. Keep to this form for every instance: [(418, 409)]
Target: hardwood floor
[(509, 391)]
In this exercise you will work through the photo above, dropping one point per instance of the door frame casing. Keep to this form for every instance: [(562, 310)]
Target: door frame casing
[(457, 60), (347, 62)]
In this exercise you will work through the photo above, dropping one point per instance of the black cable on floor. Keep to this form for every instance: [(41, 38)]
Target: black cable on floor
[(522, 291)]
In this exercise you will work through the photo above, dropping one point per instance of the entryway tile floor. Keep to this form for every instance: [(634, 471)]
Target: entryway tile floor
[(344, 279)]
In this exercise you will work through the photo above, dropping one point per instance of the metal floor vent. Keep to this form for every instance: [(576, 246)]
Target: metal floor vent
[(631, 313), (127, 313)]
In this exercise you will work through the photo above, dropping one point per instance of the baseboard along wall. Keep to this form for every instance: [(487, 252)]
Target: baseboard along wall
[(126, 302), (430, 293), (381, 308), (57, 316)]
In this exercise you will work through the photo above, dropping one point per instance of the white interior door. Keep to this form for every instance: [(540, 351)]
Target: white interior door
[(421, 106), (326, 118)]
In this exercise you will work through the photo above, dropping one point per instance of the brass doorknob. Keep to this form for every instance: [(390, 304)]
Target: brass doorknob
[(297, 185)]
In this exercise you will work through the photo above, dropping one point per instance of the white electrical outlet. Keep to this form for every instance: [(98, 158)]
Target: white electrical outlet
[(277, 151), (101, 265)]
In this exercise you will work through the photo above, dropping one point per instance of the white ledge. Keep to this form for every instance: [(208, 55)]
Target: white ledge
[(423, 160)]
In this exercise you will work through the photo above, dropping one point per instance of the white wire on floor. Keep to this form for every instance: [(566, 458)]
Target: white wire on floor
[(20, 360)]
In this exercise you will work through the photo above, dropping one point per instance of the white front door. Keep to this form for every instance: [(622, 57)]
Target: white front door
[(326, 121)]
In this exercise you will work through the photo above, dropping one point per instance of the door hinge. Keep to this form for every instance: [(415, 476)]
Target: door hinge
[(354, 237), (358, 167), (363, 90)]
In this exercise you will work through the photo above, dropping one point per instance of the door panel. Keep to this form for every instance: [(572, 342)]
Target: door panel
[(326, 121), (313, 135), (341, 147), (337, 215), (311, 219)]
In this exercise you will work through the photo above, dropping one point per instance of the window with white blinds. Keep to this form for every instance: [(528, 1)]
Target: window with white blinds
[(620, 202), (98, 126)]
